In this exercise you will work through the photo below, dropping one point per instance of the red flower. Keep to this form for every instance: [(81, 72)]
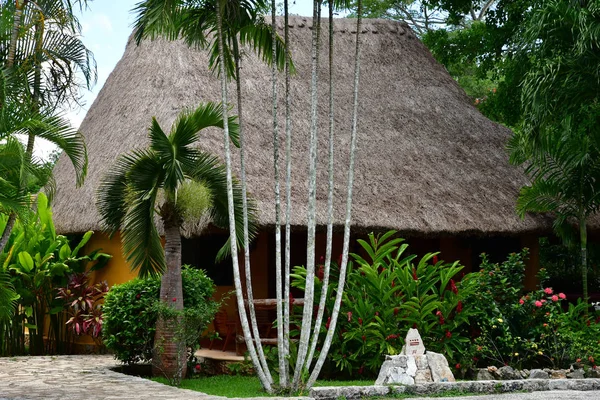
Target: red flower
[(475, 359), (340, 259), (392, 336), (393, 284), (377, 313), (360, 321), (439, 314), (198, 367), (321, 259), (591, 359), (521, 301), (364, 338), (548, 291), (361, 369), (453, 286), (457, 366), (174, 299), (321, 272), (448, 334), (414, 271), (328, 322), (396, 310), (435, 259), (459, 306), (137, 296), (349, 316), (562, 296)]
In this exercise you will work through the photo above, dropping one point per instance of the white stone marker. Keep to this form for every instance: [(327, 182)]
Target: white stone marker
[(413, 344)]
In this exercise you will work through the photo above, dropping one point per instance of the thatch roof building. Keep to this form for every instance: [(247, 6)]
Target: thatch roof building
[(428, 162)]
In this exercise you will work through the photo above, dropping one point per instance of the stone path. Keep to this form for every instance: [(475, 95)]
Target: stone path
[(89, 378)]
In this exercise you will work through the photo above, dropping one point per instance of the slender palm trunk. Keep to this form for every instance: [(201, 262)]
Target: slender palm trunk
[(12, 49), (340, 289), (232, 230), (37, 80), (10, 223), (312, 197), (169, 353), (327, 266), (247, 269), (583, 242), (284, 373), (278, 277)]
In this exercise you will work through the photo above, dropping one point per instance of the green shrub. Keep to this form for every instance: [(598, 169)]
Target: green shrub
[(131, 310), (387, 293)]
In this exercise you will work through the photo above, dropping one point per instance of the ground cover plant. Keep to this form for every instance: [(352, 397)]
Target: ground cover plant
[(131, 310), (239, 386)]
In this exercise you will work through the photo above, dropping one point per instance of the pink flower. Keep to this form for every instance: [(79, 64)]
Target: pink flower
[(562, 296), (543, 300), (555, 298), (521, 301), (538, 303), (548, 291), (349, 316), (459, 306)]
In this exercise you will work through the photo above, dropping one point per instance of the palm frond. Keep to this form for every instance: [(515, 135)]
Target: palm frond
[(141, 243), (213, 174), (8, 296), (157, 18)]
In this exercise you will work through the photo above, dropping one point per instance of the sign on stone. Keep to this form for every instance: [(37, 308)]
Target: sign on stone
[(413, 343)]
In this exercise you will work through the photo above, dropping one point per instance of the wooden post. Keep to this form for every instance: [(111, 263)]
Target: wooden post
[(532, 265)]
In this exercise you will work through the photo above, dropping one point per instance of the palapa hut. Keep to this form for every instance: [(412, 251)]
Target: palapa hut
[(429, 164)]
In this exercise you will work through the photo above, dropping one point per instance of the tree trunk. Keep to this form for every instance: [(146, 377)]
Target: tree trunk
[(284, 374), (37, 81), (12, 50), (327, 265), (10, 223), (312, 195), (232, 230), (583, 242), (278, 277), (170, 353), (340, 289), (248, 270)]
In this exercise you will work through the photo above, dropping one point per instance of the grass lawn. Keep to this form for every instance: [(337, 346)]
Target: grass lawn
[(243, 386)]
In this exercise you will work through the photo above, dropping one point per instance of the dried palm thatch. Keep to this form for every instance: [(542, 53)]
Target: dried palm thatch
[(428, 162)]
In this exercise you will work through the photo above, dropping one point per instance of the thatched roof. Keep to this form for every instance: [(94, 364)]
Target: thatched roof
[(427, 162)]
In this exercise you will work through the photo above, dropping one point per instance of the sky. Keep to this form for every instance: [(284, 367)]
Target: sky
[(106, 26)]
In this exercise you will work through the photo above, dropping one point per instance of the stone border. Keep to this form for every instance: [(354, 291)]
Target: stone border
[(475, 387)]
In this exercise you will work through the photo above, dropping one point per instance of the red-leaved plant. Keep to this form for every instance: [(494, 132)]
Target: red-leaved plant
[(83, 302)]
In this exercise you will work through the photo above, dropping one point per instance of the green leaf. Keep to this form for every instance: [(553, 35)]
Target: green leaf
[(26, 261)]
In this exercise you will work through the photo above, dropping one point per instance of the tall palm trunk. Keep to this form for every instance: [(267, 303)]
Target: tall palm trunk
[(327, 266), (340, 289), (247, 269), (12, 49), (278, 277), (169, 353), (583, 250), (312, 197), (37, 82), (232, 230), (284, 374)]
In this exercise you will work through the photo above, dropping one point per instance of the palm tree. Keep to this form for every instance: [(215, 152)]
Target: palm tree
[(150, 183), (17, 116), (242, 26), (54, 43), (560, 138)]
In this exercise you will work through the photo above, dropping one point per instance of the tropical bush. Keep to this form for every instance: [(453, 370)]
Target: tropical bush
[(38, 262), (527, 330), (387, 293), (131, 310)]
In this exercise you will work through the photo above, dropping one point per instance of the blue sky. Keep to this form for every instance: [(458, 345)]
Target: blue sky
[(106, 26)]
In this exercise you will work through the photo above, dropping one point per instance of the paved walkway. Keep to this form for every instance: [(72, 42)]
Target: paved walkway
[(89, 378)]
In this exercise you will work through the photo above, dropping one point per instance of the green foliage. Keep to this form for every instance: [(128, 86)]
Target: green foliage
[(146, 182), (387, 293), (131, 310), (532, 330), (194, 200), (39, 262)]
